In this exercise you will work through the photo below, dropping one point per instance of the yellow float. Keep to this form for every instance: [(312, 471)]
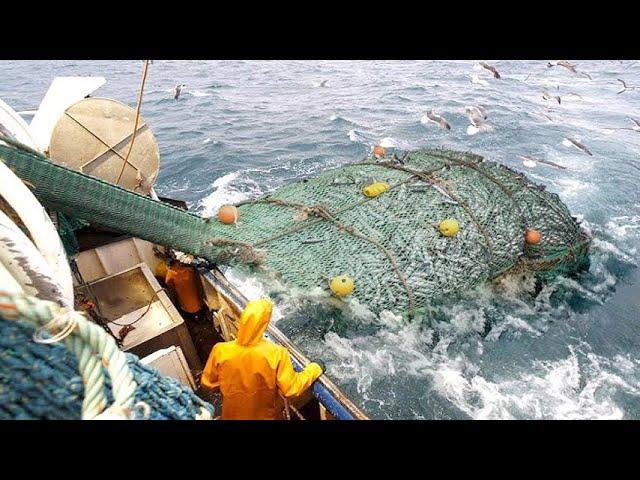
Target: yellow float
[(375, 189), (449, 227), (342, 285)]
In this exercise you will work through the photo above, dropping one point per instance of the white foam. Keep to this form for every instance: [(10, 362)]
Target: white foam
[(199, 93), (511, 323), (560, 389), (608, 247), (477, 80), (225, 192), (472, 129), (387, 142), (252, 287), (620, 226), (571, 187)]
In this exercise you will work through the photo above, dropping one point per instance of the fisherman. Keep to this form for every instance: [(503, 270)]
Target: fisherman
[(252, 372), (183, 280)]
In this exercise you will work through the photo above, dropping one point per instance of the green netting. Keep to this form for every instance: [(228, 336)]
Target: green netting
[(67, 227), (317, 228)]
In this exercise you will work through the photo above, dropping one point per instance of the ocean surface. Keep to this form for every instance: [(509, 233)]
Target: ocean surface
[(244, 128)]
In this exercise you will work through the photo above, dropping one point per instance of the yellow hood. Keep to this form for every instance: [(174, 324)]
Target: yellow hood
[(254, 321)]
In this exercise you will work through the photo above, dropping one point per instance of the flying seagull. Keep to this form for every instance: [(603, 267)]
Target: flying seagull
[(323, 83), (563, 63), (636, 126), (431, 117), (178, 91), (625, 87), (573, 142), (547, 96), (477, 117), (491, 68), (531, 161)]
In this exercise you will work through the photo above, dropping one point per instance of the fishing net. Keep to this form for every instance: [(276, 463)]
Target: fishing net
[(390, 245), (42, 382), (312, 230)]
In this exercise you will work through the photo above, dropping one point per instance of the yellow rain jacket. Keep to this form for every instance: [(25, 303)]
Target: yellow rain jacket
[(251, 371)]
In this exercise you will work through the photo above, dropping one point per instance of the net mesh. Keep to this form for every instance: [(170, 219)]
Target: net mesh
[(312, 230), (363, 238)]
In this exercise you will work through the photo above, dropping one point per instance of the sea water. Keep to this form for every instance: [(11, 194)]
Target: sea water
[(244, 128)]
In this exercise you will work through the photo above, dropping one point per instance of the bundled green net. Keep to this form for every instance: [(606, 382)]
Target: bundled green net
[(312, 230), (390, 245)]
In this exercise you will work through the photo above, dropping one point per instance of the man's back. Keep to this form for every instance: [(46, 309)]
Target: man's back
[(252, 371)]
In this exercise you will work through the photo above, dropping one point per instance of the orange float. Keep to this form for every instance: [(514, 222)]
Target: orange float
[(532, 237), (379, 151), (228, 214)]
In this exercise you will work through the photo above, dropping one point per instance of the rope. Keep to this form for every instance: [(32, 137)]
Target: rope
[(135, 125), (109, 147), (323, 213), (91, 345), (155, 294), (244, 251)]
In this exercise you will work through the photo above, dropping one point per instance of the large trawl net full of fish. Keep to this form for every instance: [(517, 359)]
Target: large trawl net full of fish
[(310, 231), (322, 227)]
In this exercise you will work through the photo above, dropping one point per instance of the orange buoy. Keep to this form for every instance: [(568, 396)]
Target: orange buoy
[(228, 214), (379, 151), (532, 237)]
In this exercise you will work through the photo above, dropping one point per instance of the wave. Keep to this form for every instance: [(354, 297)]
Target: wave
[(199, 93), (228, 190)]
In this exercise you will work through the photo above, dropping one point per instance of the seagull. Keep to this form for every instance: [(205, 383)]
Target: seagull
[(575, 143), (625, 87), (635, 128), (563, 63), (323, 83), (431, 117), (477, 117), (178, 90), (547, 96), (491, 68), (531, 161), (475, 79), (547, 117), (575, 95)]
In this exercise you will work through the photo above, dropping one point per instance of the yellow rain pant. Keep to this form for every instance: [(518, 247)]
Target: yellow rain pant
[(252, 370), (184, 281)]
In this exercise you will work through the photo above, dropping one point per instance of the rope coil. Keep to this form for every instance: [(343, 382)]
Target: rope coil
[(89, 342)]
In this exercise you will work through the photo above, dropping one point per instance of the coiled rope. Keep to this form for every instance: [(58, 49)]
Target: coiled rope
[(93, 347)]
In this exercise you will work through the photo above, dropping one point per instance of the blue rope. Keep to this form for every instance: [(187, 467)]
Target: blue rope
[(41, 381)]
